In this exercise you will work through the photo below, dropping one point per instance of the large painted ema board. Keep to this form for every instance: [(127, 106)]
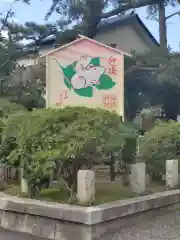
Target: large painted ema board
[(85, 73)]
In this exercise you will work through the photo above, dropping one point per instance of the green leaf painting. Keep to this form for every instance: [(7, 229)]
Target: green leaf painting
[(106, 82), (67, 83), (95, 61), (84, 92), (68, 72)]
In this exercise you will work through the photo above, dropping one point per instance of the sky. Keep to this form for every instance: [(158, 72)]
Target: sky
[(38, 8)]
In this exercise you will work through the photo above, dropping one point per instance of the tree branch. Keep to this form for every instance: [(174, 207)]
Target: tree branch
[(172, 15), (6, 62), (129, 5), (8, 14)]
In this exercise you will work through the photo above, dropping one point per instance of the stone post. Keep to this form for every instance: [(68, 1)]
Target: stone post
[(24, 183), (117, 164), (138, 177), (85, 186), (171, 173), (1, 170), (3, 184)]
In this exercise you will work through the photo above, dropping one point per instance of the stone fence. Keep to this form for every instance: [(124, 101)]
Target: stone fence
[(56, 221), (138, 176), (137, 179)]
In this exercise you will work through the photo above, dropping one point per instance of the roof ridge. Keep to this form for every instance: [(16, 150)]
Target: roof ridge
[(82, 37)]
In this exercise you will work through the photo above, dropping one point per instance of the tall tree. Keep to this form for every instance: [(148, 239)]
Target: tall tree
[(155, 8), (28, 92), (92, 11), (153, 79), (87, 12), (158, 11), (9, 47)]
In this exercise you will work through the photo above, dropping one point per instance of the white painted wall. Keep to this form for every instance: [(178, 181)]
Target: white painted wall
[(126, 38)]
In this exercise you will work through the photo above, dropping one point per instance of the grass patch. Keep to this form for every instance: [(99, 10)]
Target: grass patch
[(108, 192), (155, 186), (13, 189), (105, 192), (55, 194)]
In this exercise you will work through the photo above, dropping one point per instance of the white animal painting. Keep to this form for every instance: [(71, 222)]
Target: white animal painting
[(83, 63), (87, 76)]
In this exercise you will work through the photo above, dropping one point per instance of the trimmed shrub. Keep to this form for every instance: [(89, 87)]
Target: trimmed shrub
[(7, 107), (45, 141), (158, 145), (129, 150)]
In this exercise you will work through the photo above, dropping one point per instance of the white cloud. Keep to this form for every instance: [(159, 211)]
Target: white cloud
[(7, 1)]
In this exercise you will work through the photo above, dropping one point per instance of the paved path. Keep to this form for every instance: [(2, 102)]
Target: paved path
[(7, 235)]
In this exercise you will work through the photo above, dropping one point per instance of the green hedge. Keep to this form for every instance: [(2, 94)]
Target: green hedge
[(129, 150), (7, 107), (160, 144), (74, 136)]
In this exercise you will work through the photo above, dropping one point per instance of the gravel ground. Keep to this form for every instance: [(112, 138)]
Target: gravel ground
[(164, 227)]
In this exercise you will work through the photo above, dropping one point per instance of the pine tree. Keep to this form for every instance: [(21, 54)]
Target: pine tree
[(27, 93), (91, 12)]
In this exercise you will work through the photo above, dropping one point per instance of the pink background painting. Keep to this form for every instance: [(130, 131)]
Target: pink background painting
[(112, 63)]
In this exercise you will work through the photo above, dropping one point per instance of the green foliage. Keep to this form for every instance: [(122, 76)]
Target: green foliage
[(160, 144), (10, 131), (26, 92), (88, 11), (7, 65), (10, 51), (1, 127), (129, 150), (7, 108), (61, 140), (125, 137), (152, 78)]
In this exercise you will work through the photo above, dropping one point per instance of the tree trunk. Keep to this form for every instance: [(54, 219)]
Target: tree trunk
[(2, 88), (92, 29), (92, 17), (171, 111), (127, 6), (162, 25)]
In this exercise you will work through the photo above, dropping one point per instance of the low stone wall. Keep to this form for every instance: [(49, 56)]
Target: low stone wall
[(70, 222)]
